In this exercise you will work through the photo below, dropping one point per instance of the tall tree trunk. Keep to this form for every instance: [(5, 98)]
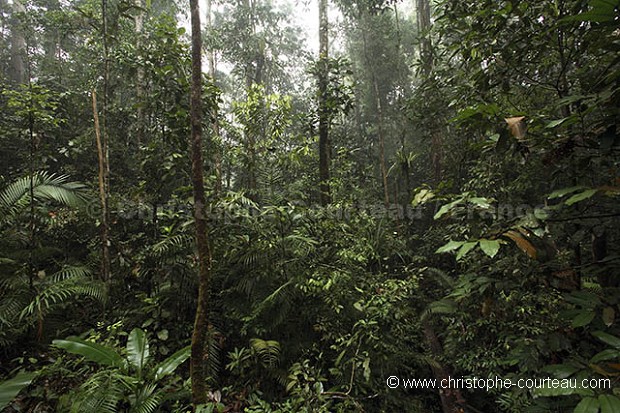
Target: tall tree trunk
[(424, 24), (365, 18), (103, 199), (215, 124), (104, 151), (139, 20), (201, 328), (426, 54), (17, 68), (386, 194), (252, 76), (324, 146)]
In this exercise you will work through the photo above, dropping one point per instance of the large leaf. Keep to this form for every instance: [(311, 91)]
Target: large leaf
[(450, 246), (45, 187), (91, 351), (581, 196), (10, 388), (607, 354), (609, 403), (562, 371), (137, 350), (447, 208), (468, 246), (587, 405), (559, 193), (523, 244), (171, 363), (489, 246), (602, 11), (584, 318), (608, 339)]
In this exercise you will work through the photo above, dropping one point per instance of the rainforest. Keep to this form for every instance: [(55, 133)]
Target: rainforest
[(314, 206)]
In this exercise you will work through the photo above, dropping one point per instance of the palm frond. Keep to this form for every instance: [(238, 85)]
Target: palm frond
[(60, 292), (267, 350), (45, 187), (147, 399)]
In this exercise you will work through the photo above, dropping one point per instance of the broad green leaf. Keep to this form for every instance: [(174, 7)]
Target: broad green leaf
[(607, 339), (584, 318), (562, 371), (559, 193), (587, 405), (581, 196), (137, 349), (446, 208), (609, 403), (585, 299), (481, 202), (10, 388), (171, 363), (450, 246), (489, 247), (555, 123), (91, 351), (422, 196), (468, 246), (608, 354)]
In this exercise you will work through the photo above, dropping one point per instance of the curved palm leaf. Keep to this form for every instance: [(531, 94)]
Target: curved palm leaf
[(91, 351)]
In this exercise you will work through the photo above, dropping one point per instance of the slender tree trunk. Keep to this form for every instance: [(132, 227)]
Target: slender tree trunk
[(201, 328), (140, 74), (215, 124), (103, 199), (251, 78), (103, 152), (324, 145), (426, 53), (386, 194)]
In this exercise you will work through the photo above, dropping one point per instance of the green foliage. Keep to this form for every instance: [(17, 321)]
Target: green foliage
[(10, 388), (131, 379)]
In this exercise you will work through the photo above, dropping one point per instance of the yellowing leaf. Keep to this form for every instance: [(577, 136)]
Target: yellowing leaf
[(517, 126), (525, 246), (609, 315)]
